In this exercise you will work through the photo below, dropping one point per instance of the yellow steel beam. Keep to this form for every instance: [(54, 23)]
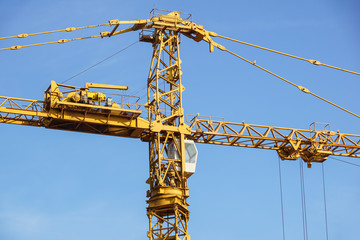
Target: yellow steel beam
[(105, 86), (124, 122), (21, 122), (290, 143)]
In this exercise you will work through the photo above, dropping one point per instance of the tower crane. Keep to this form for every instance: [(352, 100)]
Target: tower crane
[(161, 121)]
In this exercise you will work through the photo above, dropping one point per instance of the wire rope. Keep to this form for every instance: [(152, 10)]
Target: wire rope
[(281, 199), (303, 89), (69, 29), (315, 62), (354, 164), (303, 202), (136, 91), (325, 208), (98, 63), (16, 47)]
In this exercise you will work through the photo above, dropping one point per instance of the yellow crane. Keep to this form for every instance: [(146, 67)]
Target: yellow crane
[(161, 121)]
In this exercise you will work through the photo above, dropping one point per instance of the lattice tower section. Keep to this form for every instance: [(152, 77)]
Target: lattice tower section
[(167, 206)]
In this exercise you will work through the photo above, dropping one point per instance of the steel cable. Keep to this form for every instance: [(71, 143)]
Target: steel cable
[(303, 202), (45, 43), (325, 209), (303, 89), (282, 204), (354, 164), (96, 64), (70, 29), (315, 62)]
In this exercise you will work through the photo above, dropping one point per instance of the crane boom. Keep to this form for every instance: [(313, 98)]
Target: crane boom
[(58, 112), (290, 143)]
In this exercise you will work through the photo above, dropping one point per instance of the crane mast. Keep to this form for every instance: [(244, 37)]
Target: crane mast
[(164, 127), (167, 206)]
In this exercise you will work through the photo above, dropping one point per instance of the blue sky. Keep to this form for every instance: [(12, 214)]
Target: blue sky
[(64, 185)]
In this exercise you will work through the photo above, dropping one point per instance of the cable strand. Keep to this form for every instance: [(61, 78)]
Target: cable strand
[(325, 209), (303, 202), (354, 164), (281, 199), (45, 43), (70, 29), (315, 62), (96, 64), (303, 89)]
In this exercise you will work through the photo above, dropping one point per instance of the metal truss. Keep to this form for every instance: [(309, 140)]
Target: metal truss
[(290, 143), (21, 111), (72, 116), (167, 210)]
